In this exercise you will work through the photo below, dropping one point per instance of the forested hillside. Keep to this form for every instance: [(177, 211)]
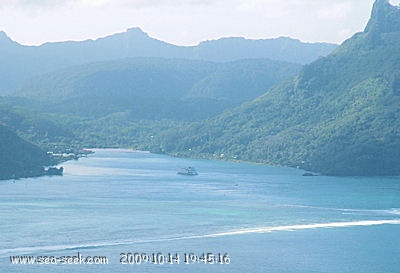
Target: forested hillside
[(19, 158), (340, 116), (154, 88)]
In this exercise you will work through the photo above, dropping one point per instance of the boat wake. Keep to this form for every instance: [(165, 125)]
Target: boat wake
[(391, 211), (307, 226), (395, 211), (40, 249)]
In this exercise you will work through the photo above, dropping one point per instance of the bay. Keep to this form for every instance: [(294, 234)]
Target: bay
[(265, 219)]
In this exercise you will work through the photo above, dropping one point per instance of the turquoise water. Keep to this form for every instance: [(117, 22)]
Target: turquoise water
[(267, 219)]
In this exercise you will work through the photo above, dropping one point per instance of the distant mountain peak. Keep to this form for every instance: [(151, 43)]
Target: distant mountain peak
[(6, 42), (136, 30), (4, 37), (137, 33), (385, 18), (131, 34)]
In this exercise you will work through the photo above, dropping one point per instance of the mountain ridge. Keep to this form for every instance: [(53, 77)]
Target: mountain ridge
[(19, 63), (385, 18)]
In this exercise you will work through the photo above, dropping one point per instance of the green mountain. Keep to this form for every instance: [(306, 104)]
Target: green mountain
[(154, 88), (19, 158), (25, 135), (340, 116), (19, 116)]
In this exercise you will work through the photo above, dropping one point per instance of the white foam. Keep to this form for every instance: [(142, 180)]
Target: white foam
[(28, 250), (395, 211), (307, 226), (394, 2)]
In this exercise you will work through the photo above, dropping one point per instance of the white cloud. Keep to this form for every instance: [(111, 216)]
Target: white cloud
[(395, 2), (93, 3), (184, 22), (145, 3), (31, 3), (335, 11)]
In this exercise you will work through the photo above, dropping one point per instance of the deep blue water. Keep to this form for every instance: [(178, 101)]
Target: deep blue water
[(267, 219)]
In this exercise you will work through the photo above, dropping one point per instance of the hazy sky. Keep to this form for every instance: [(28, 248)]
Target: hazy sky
[(184, 22)]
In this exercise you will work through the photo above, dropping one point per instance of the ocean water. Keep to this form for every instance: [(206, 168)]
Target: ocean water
[(255, 218)]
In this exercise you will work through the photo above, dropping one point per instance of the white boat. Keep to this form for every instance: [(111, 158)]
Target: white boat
[(188, 171)]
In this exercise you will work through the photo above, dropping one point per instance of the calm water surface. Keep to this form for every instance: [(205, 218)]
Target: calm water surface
[(266, 219)]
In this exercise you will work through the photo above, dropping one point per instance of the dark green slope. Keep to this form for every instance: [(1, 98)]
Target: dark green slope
[(19, 158), (45, 131), (341, 116), (153, 88)]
